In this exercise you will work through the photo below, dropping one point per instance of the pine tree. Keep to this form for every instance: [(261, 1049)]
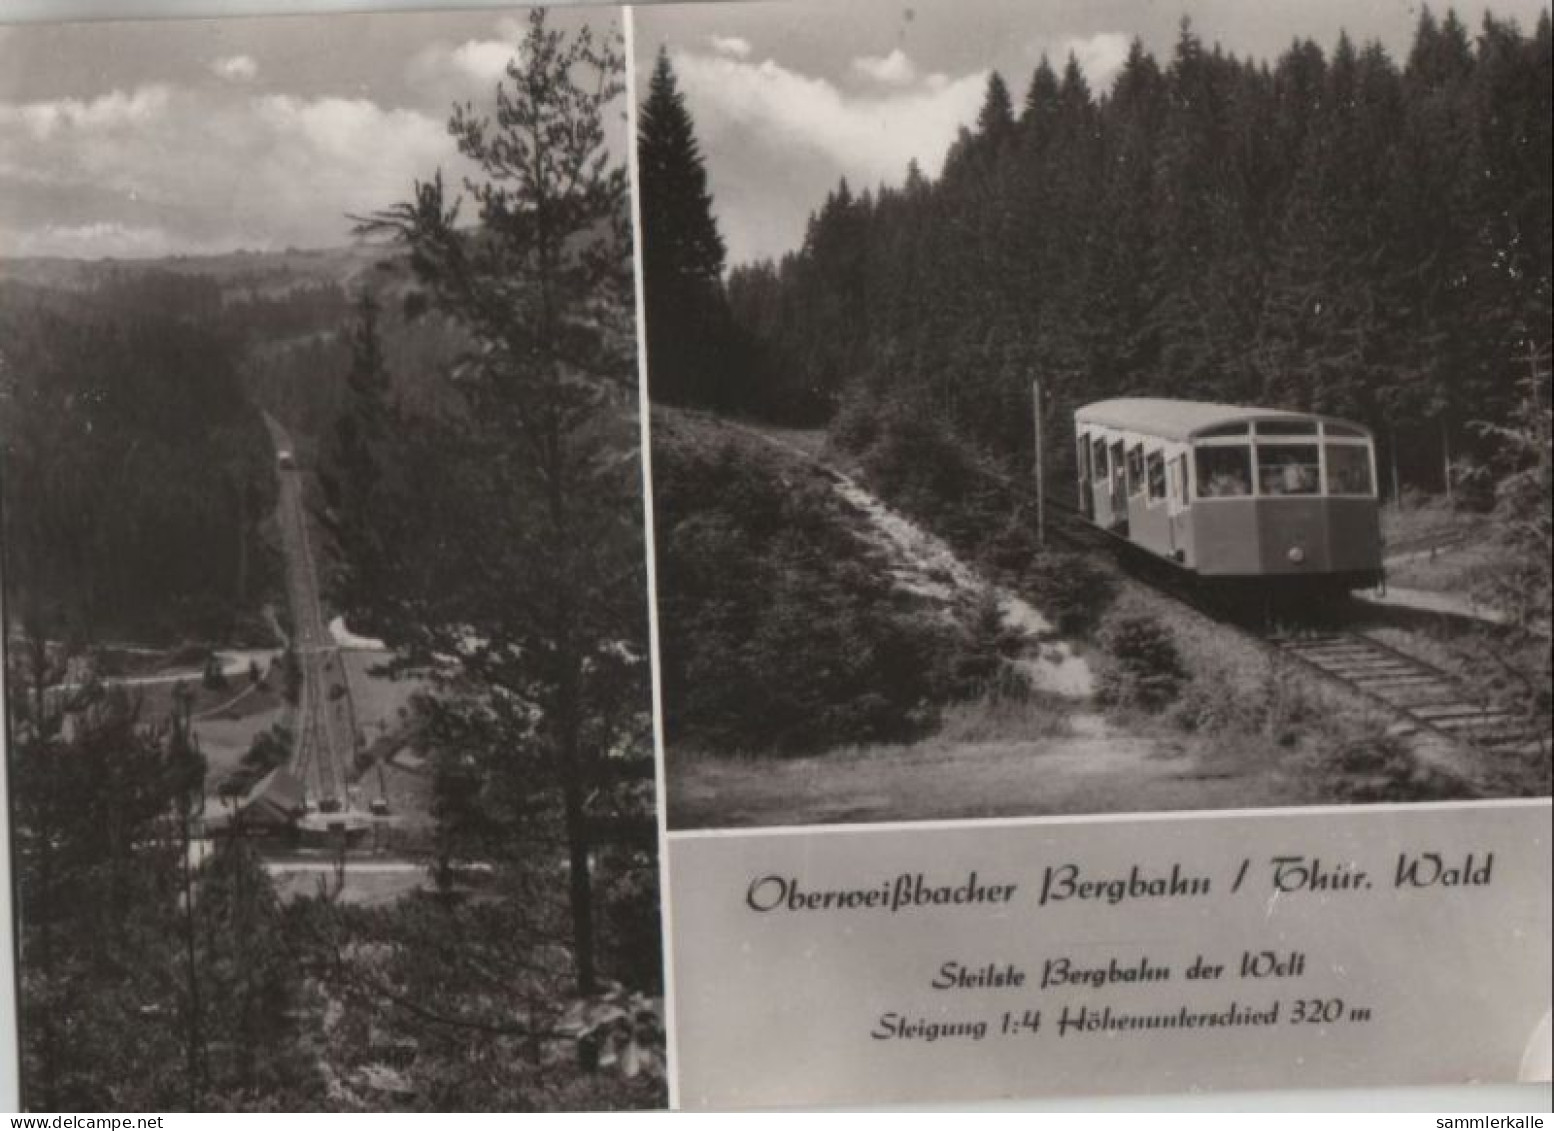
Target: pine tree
[(526, 563)]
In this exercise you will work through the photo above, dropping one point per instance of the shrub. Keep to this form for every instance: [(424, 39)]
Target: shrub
[(270, 748), (920, 468), (212, 678), (856, 424), (1208, 705), (779, 631), (1069, 589), (980, 664), (1010, 548), (1380, 767), (1142, 667), (630, 933), (1279, 707)]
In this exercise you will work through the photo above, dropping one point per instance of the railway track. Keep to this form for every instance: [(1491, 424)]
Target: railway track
[(1428, 701), (1430, 698), (1425, 698), (326, 732)]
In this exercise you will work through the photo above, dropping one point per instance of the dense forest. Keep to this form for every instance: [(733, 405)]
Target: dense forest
[(136, 470), (1333, 231)]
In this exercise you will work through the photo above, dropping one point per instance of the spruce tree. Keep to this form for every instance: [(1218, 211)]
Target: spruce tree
[(996, 118), (682, 252), (355, 472)]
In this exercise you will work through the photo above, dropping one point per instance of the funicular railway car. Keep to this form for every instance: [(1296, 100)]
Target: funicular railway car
[(1248, 497)]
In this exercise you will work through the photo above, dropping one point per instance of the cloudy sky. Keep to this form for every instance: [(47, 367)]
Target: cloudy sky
[(158, 137), (788, 97)]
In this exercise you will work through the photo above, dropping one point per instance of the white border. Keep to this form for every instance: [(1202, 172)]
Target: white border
[(644, 413), (1480, 1098), (10, 922), (1110, 818), (72, 11)]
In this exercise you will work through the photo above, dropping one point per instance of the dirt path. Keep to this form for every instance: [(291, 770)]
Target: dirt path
[(1061, 756), (925, 565)]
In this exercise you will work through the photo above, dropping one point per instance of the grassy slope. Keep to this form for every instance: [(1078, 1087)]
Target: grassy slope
[(991, 758)]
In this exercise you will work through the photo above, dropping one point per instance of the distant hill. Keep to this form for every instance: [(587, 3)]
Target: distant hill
[(240, 273)]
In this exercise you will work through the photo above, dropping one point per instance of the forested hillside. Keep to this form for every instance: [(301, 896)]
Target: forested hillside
[(136, 470), (1335, 230), (139, 474)]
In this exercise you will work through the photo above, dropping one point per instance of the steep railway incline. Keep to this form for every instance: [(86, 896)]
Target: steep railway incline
[(1446, 719), (326, 732), (1450, 727), (1431, 699)]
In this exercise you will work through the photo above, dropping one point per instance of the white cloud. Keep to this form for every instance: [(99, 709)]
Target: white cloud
[(484, 60), (1101, 56), (777, 139), (114, 110), (871, 137), (733, 46), (160, 169), (456, 72), (895, 69), (235, 68)]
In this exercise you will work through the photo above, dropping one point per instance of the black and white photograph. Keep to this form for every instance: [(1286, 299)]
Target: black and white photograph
[(329, 728), (1096, 409), (762, 554)]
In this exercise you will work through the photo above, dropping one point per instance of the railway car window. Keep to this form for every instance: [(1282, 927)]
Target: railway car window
[(1224, 430), (1119, 473), (1287, 428), (1343, 430), (1156, 468), (1349, 470), (1098, 459), (1288, 469), (1224, 472), (1181, 479), (1135, 469)]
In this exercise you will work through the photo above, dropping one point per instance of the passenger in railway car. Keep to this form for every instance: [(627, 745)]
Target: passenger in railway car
[(1297, 479), (1222, 473), (1291, 471), (1225, 483)]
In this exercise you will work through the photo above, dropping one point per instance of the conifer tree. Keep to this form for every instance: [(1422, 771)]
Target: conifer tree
[(526, 563), (682, 252), (1342, 233), (996, 117), (354, 471)]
